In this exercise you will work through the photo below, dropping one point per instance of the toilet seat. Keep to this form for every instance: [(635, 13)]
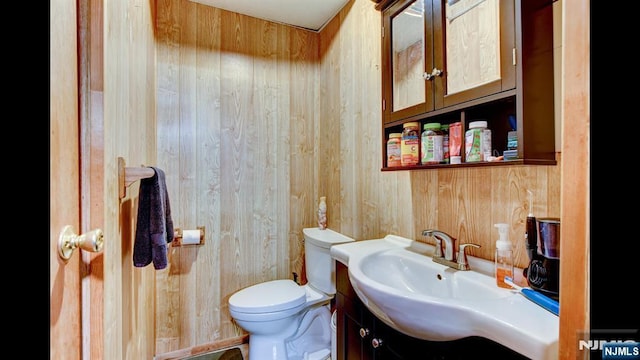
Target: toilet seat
[(279, 298)]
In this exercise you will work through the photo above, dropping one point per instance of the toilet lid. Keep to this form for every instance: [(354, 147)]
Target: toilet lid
[(270, 296)]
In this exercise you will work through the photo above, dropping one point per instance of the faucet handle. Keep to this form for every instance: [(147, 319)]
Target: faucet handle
[(462, 255)]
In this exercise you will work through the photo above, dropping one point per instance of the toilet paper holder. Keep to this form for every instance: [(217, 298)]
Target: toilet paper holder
[(178, 236)]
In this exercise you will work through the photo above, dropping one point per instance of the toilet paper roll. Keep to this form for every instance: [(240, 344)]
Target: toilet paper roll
[(190, 237)]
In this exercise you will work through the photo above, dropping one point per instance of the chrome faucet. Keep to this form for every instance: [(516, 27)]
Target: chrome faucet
[(449, 243), (449, 257)]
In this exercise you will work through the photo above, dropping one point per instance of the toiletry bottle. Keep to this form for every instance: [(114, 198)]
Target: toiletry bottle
[(410, 144), (322, 213), (431, 144), (504, 256), (394, 153)]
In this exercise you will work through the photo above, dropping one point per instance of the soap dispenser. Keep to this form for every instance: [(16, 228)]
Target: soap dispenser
[(504, 256)]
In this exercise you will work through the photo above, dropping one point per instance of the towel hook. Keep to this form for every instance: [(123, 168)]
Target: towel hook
[(129, 175)]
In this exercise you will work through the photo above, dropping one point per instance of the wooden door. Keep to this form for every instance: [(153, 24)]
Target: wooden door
[(65, 333)]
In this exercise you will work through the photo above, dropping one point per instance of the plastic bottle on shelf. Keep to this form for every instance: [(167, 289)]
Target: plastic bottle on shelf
[(477, 142), (431, 141), (410, 144), (394, 152), (322, 213), (504, 256), (445, 143)]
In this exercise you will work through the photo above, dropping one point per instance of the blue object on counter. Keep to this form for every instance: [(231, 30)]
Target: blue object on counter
[(544, 301), (513, 123)]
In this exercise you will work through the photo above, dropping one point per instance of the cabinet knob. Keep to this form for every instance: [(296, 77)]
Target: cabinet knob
[(435, 72), (376, 343), (364, 332)]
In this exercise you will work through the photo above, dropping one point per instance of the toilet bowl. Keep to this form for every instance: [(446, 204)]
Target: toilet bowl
[(288, 321)]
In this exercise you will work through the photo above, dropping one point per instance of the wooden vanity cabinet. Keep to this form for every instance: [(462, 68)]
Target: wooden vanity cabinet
[(492, 62), (362, 336)]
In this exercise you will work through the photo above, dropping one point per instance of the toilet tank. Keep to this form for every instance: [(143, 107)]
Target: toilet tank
[(320, 267)]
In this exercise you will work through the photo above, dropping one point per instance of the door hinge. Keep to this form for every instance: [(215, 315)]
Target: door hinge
[(384, 105), (513, 56)]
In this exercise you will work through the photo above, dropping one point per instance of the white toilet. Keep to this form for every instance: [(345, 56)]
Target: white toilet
[(287, 321)]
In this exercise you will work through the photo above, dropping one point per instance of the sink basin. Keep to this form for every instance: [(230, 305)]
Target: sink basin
[(411, 272), (400, 284)]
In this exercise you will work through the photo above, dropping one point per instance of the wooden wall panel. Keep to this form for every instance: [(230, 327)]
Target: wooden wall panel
[(344, 130), (301, 124), (349, 149), (374, 204), (167, 332), (185, 204), (231, 91), (207, 176), (129, 101), (467, 202), (327, 132)]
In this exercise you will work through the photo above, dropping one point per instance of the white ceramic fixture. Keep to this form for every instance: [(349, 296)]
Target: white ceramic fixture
[(307, 14), (398, 281), (287, 321)]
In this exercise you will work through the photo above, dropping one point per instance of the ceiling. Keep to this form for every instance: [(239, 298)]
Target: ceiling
[(307, 14)]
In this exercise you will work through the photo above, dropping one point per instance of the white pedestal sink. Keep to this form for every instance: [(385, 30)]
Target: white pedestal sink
[(398, 281)]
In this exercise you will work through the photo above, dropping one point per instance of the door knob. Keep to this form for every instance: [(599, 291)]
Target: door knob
[(69, 241)]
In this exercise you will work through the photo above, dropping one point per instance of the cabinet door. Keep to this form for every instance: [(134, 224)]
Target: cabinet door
[(407, 50), (388, 348), (353, 335), (474, 46), (354, 347)]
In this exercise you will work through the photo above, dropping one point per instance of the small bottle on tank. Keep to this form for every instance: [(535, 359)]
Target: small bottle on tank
[(322, 213)]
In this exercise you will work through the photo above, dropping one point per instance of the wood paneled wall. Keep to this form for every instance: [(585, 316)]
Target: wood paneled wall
[(467, 202), (127, 79), (238, 119), (256, 121)]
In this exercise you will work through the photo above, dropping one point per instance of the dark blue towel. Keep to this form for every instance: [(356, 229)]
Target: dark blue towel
[(154, 228)]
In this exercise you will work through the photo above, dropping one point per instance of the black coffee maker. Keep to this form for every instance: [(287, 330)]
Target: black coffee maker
[(543, 248)]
